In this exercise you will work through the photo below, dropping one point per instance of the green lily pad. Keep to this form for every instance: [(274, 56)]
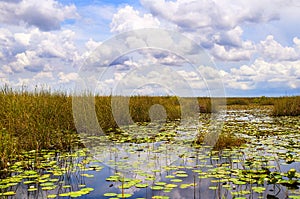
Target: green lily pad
[(9, 193), (125, 195), (258, 189), (52, 196), (156, 188), (176, 180), (141, 185), (110, 194)]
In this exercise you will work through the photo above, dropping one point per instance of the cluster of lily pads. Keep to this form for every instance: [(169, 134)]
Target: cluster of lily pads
[(47, 174)]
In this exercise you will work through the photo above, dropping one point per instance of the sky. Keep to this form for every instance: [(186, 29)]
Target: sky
[(253, 45)]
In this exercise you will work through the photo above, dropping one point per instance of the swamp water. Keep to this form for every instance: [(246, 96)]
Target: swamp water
[(165, 165)]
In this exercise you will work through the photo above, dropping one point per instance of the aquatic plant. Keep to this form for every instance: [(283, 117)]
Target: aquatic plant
[(287, 106)]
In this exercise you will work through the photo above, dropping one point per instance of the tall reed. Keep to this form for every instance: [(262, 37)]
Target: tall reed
[(287, 106), (44, 119), (34, 120)]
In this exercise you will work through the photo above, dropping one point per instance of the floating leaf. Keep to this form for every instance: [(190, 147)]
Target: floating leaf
[(9, 193), (51, 196), (141, 185), (125, 195), (110, 194)]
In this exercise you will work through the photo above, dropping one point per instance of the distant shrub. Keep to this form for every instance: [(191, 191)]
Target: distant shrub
[(264, 101), (238, 101)]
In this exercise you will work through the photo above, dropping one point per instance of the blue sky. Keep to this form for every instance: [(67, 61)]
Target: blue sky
[(254, 44)]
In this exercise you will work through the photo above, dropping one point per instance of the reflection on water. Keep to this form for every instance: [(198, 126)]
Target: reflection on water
[(173, 168)]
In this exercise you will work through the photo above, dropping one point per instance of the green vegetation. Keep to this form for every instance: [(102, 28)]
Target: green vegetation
[(239, 101), (282, 106), (225, 140), (287, 106), (34, 121), (38, 171), (262, 101), (44, 120)]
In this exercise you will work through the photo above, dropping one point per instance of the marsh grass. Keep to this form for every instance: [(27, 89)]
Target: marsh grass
[(239, 101), (226, 139), (261, 101), (34, 121), (229, 140), (8, 148), (137, 108), (282, 106), (287, 106), (44, 120)]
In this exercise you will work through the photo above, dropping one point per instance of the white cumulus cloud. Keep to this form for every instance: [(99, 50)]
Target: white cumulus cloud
[(128, 18), (67, 77), (46, 15), (272, 50)]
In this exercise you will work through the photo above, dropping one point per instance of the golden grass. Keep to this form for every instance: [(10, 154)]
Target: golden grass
[(224, 140), (287, 106), (39, 120)]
